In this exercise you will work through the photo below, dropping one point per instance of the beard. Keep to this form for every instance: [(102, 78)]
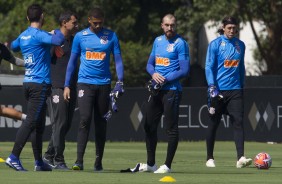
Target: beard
[(170, 34)]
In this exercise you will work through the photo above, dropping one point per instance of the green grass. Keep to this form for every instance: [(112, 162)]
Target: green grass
[(188, 166)]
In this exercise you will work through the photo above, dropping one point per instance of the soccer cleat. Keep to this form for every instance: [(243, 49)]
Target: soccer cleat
[(42, 167), (48, 162), (210, 163), (147, 168), (61, 166), (15, 164), (162, 170), (98, 168), (243, 162), (77, 167)]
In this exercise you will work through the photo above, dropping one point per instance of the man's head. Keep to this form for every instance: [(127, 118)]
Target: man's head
[(229, 27), (96, 19), (68, 21), (169, 25), (35, 13)]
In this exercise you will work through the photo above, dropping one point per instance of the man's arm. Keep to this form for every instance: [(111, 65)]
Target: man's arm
[(211, 64), (119, 67), (8, 56)]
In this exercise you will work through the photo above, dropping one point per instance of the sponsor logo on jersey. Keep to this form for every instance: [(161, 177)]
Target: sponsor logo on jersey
[(84, 33), (28, 59), (26, 37), (222, 44), (231, 63), (95, 55), (104, 40), (56, 99), (80, 93), (170, 48), (161, 61)]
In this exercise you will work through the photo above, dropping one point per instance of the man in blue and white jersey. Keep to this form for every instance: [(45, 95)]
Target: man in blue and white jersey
[(168, 62), (225, 73), (94, 46), (34, 44)]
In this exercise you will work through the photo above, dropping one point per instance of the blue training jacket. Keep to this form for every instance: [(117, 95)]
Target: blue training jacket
[(225, 66)]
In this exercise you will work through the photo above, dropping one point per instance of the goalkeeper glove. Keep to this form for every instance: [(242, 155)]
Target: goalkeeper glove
[(118, 90), (214, 99), (213, 91), (153, 87)]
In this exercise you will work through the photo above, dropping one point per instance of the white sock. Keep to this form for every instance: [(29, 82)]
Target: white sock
[(23, 116)]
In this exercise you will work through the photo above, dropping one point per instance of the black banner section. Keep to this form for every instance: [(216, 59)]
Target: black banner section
[(263, 116)]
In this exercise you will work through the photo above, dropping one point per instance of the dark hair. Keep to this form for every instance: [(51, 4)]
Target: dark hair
[(225, 21), (96, 12), (34, 12), (66, 16)]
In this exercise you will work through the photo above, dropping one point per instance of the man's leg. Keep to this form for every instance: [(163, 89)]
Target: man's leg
[(152, 115), (12, 113), (101, 107), (171, 102), (85, 104)]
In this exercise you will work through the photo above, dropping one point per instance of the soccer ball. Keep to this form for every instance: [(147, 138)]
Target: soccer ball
[(262, 161)]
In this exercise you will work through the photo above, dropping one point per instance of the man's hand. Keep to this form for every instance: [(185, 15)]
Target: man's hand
[(67, 93), (118, 89), (214, 99), (213, 91), (153, 87), (158, 78)]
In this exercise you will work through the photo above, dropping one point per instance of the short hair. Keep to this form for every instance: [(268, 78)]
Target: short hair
[(34, 12), (96, 12), (170, 16), (225, 21), (66, 16)]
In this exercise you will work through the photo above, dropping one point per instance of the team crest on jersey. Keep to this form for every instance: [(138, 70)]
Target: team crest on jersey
[(170, 48), (81, 93), (104, 40), (106, 32), (56, 99), (84, 33), (237, 46)]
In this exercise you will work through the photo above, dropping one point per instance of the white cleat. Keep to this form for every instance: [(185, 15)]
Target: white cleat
[(210, 163), (147, 168), (163, 169), (243, 162)]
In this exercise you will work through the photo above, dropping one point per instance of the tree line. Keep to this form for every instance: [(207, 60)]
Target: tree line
[(137, 23)]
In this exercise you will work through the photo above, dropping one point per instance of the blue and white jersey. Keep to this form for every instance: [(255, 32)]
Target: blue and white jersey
[(167, 54), (95, 50), (35, 46), (225, 66)]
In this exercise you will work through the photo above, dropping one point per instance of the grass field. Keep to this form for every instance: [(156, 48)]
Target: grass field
[(188, 166)]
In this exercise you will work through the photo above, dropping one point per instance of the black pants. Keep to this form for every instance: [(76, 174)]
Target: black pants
[(61, 114), (233, 106), (165, 103), (36, 95), (92, 98)]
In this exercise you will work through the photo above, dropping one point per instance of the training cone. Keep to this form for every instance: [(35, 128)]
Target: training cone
[(167, 179), (2, 160)]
